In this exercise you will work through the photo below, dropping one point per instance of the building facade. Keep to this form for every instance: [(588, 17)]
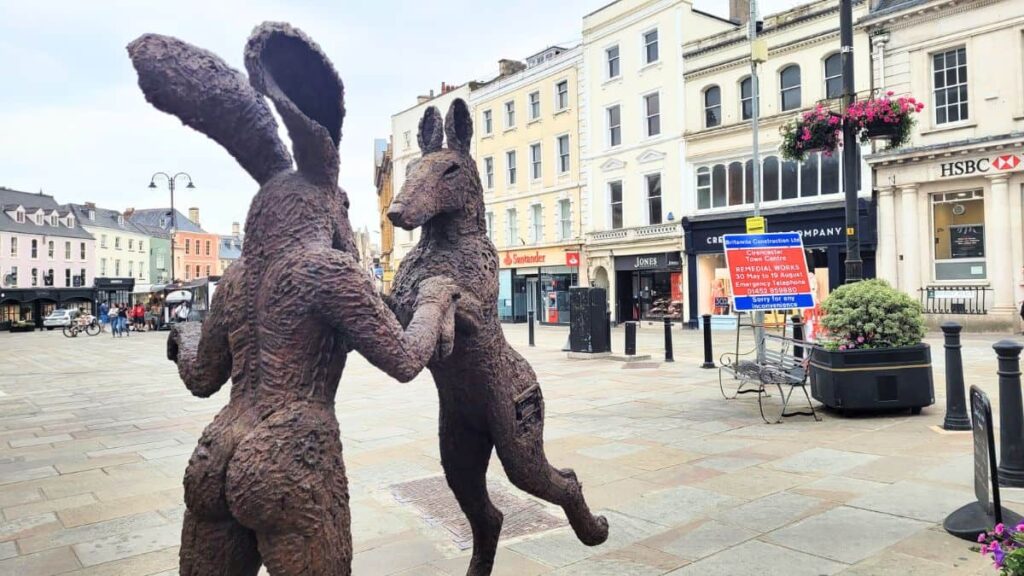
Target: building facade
[(194, 251), (46, 258), (950, 215), (383, 181), (230, 248), (632, 115), (802, 69), (404, 126), (122, 251), (526, 135)]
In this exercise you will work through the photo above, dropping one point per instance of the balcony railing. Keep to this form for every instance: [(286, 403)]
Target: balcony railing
[(668, 230)]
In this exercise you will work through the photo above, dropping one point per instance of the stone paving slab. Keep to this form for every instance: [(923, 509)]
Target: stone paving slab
[(91, 462)]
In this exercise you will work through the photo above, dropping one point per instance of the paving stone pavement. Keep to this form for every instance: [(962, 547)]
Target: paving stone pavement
[(95, 434)]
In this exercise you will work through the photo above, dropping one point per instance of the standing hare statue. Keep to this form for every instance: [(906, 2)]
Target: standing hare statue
[(489, 395), (266, 484)]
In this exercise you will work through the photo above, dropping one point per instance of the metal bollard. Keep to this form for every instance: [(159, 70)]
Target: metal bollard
[(630, 338), (529, 319), (668, 340), (1011, 415), (956, 403), (708, 361), (608, 318), (798, 335)]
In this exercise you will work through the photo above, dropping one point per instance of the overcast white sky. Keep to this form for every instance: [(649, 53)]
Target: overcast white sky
[(74, 123)]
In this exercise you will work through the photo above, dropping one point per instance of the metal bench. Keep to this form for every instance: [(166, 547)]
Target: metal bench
[(783, 367)]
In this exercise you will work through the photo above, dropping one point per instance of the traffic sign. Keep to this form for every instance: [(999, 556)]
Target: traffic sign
[(755, 225), (768, 271)]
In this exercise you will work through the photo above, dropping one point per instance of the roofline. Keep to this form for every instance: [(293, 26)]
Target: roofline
[(716, 17)]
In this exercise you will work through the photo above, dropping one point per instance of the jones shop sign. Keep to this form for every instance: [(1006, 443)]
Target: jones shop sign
[(989, 165), (659, 261)]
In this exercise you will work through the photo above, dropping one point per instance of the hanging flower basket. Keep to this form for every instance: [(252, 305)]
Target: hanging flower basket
[(885, 118), (817, 130)]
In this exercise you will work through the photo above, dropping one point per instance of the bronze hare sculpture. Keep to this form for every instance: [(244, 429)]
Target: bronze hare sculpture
[(266, 484), (489, 395)]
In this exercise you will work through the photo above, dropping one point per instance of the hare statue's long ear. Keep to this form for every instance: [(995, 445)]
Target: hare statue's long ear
[(211, 97), (458, 126), (291, 70), (431, 132)]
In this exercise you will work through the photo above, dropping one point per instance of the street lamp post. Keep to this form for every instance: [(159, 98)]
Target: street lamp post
[(854, 265), (174, 215)]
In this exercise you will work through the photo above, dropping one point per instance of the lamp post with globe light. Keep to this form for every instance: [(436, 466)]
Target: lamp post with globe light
[(174, 215)]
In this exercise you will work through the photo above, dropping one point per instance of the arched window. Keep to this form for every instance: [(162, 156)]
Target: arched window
[(703, 188), (718, 198), (834, 76), (789, 83), (735, 184), (770, 177), (712, 106), (747, 98)]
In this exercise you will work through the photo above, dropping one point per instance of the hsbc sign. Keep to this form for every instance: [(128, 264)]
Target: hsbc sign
[(1000, 163)]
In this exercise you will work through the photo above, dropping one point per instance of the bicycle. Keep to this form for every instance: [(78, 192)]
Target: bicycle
[(85, 324)]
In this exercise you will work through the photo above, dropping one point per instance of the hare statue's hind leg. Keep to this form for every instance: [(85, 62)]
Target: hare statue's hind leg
[(465, 454), (217, 548)]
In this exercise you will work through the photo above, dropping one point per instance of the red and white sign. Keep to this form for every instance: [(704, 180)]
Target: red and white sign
[(768, 272), (572, 259)]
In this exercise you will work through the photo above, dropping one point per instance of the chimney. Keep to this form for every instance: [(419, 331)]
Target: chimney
[(739, 11), (235, 229), (90, 205), (193, 215), (128, 213), (508, 67)]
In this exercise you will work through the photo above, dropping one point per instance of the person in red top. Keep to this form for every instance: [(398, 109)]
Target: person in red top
[(139, 317)]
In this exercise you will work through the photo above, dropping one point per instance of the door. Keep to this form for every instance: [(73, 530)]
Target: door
[(531, 297)]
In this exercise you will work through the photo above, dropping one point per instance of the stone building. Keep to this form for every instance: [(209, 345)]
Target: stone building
[(526, 138), (230, 248), (121, 267), (802, 69), (383, 181), (195, 251), (632, 103), (949, 203)]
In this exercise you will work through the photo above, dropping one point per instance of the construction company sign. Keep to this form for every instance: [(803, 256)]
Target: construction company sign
[(986, 165)]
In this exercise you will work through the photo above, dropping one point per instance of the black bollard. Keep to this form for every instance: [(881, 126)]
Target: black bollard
[(529, 320), (1011, 415), (708, 361), (630, 338), (798, 335), (608, 318), (668, 340), (956, 404)]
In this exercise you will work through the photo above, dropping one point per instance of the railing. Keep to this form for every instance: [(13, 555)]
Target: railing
[(967, 300), (654, 231)]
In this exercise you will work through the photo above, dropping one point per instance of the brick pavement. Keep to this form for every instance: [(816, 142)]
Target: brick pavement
[(95, 434)]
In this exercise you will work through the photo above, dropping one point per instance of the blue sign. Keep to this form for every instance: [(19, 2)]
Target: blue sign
[(378, 272), (768, 271)]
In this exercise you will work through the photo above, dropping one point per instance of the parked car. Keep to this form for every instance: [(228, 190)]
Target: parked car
[(60, 317)]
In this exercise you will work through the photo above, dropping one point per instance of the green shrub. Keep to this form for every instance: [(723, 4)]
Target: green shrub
[(871, 314)]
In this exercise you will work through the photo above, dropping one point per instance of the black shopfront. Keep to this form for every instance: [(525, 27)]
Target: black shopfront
[(31, 305), (114, 290), (822, 227), (648, 286)]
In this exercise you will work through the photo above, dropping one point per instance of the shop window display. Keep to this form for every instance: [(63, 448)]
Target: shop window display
[(958, 228)]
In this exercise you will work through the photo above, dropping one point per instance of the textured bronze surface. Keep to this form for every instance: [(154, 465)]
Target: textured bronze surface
[(489, 397), (267, 484)]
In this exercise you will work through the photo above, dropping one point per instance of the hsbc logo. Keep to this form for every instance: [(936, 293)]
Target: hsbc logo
[(1006, 162), (1001, 163)]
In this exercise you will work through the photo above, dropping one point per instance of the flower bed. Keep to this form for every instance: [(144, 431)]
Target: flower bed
[(1005, 547), (818, 129), (884, 118)]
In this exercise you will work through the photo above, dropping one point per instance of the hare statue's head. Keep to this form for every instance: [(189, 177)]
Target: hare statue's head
[(293, 207)]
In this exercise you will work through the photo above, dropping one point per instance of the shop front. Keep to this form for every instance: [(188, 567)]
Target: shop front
[(821, 226), (114, 290), (537, 281), (954, 224), (649, 286), (32, 305)]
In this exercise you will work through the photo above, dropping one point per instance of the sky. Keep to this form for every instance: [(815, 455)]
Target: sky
[(74, 124)]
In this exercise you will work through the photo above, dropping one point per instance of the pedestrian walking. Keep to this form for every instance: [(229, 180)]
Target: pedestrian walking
[(123, 315), (138, 316), (114, 319), (104, 316)]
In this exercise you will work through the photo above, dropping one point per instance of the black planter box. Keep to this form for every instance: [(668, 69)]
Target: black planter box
[(873, 379)]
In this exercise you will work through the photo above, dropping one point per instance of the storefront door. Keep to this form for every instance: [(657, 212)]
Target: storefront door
[(531, 296)]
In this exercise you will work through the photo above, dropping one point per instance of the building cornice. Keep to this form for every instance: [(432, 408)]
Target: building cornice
[(571, 58), (947, 149)]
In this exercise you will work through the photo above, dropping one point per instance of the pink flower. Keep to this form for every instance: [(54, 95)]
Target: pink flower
[(889, 93), (833, 120), (806, 135), (842, 347), (981, 538), (999, 529)]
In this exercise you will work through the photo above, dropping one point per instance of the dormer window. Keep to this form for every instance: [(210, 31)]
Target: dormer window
[(92, 215), (71, 221), (53, 219), (19, 216), (163, 222), (120, 220), (39, 218)]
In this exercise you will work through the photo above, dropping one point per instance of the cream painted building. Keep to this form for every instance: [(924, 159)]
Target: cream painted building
[(803, 68), (632, 150), (404, 126), (950, 217), (122, 250), (526, 134)]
